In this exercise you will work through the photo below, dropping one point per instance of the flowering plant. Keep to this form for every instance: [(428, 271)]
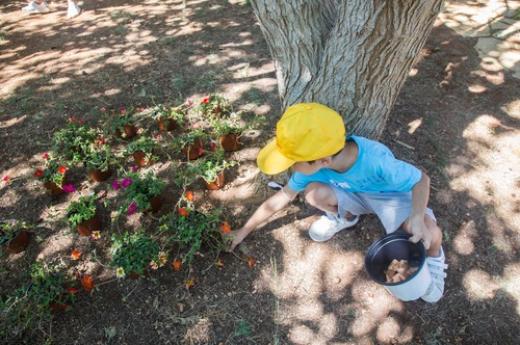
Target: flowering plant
[(177, 114), (144, 144), (190, 230), (81, 210), (189, 138), (210, 166), (53, 172), (9, 230), (139, 191), (99, 159), (74, 142), (23, 309), (133, 252), (117, 122), (214, 106), (222, 127)]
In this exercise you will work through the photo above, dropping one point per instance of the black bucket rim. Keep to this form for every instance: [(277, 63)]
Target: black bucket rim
[(390, 238)]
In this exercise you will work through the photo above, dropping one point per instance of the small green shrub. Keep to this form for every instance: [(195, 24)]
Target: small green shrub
[(81, 210), (74, 142), (140, 190), (133, 252)]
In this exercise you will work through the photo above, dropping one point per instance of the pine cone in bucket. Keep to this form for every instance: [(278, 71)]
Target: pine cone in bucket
[(398, 271)]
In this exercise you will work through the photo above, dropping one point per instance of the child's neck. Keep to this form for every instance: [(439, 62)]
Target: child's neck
[(346, 159)]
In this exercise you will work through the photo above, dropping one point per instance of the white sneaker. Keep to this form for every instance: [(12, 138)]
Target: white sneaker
[(34, 7), (73, 9), (328, 225), (436, 266)]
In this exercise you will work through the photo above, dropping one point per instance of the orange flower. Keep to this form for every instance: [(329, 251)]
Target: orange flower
[(87, 282), (38, 173), (75, 255), (183, 212), (251, 262), (189, 195), (62, 170), (225, 228), (189, 283), (177, 265)]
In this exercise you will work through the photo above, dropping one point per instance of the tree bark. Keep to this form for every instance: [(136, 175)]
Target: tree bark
[(351, 55)]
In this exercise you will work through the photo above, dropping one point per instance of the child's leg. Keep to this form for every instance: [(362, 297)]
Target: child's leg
[(341, 208)]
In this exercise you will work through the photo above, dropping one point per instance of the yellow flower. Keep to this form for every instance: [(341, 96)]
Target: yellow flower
[(163, 258), (153, 265), (96, 235), (120, 272)]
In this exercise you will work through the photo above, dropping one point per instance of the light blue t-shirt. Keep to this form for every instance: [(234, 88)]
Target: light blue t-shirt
[(375, 170)]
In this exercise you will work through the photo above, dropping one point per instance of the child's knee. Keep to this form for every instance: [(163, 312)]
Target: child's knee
[(318, 194)]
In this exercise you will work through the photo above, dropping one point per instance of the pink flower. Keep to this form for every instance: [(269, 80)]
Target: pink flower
[(132, 208), (127, 181), (69, 188), (45, 156), (134, 168), (6, 178), (103, 109), (116, 185), (122, 110)]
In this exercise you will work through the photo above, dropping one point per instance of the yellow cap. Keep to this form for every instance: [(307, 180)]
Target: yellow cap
[(305, 132)]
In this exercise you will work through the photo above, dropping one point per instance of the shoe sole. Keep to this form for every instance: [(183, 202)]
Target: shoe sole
[(351, 227)]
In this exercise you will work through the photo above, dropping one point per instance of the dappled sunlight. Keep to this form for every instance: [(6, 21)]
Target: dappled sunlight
[(490, 176), (497, 29), (463, 242), (479, 285)]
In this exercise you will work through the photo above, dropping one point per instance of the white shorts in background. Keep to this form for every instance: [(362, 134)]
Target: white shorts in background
[(392, 208)]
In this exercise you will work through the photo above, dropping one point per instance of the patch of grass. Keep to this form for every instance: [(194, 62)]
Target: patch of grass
[(3, 37), (242, 329), (120, 30), (208, 80), (167, 40), (122, 16), (254, 95)]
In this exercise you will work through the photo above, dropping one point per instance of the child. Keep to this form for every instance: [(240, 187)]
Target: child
[(346, 177)]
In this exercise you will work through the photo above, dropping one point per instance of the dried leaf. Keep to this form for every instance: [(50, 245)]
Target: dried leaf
[(219, 264), (251, 262)]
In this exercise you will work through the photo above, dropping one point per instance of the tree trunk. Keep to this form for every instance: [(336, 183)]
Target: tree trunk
[(351, 55)]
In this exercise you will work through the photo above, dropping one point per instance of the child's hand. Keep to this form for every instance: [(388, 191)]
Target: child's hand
[(420, 231), (236, 238)]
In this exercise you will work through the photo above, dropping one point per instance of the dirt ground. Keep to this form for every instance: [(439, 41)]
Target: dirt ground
[(457, 117)]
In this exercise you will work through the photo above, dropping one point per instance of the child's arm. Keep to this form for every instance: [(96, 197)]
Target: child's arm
[(420, 196), (269, 207)]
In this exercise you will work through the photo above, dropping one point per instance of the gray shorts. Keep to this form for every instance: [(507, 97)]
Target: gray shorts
[(392, 209)]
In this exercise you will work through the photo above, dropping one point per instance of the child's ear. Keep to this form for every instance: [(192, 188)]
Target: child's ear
[(326, 161)]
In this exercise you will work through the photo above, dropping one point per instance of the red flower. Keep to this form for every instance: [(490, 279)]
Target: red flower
[(6, 178), (213, 146), (62, 170), (204, 100), (72, 290), (45, 156), (38, 173), (183, 212)]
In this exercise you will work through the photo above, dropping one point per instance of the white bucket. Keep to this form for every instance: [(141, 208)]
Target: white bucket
[(397, 246)]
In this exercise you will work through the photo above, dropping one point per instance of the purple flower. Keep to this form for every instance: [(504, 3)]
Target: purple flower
[(69, 188), (116, 185), (132, 208), (134, 168), (127, 181)]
